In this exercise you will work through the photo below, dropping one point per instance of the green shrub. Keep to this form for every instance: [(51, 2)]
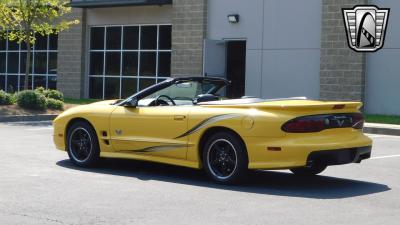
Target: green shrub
[(6, 98), (31, 100), (11, 98), (54, 94), (54, 104), (40, 90)]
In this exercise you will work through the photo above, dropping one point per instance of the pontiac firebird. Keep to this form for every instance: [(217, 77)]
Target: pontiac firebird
[(186, 122)]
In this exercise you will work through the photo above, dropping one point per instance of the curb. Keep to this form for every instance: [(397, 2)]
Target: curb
[(386, 129), (28, 118)]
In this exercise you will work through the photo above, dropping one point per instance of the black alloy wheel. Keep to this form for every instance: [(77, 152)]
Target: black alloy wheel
[(82, 144), (225, 158)]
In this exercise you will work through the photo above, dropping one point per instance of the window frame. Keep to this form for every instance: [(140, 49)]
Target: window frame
[(157, 77), (20, 75)]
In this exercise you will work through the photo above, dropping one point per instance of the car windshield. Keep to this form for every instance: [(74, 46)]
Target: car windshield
[(182, 93)]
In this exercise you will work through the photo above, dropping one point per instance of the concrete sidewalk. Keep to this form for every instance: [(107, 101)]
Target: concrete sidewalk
[(380, 128), (28, 118)]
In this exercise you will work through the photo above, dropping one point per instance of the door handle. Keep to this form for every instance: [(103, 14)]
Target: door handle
[(179, 117)]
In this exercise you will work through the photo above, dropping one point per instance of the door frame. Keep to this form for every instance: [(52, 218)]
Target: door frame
[(244, 42), (225, 40)]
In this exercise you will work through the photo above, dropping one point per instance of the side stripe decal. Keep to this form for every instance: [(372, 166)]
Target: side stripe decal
[(158, 148), (207, 122)]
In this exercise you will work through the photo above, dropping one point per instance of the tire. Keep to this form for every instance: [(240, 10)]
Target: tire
[(82, 144), (309, 171), (225, 158)]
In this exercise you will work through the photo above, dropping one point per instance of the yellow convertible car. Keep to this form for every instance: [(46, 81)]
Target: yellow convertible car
[(185, 122)]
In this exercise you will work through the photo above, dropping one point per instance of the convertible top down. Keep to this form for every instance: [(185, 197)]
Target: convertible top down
[(188, 122)]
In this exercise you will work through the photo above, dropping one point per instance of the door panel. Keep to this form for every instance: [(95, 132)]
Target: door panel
[(215, 58), (150, 130)]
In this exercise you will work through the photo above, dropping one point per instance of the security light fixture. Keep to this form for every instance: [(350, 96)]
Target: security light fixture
[(233, 18)]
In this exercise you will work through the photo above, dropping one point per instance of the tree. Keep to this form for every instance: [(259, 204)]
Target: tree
[(22, 20)]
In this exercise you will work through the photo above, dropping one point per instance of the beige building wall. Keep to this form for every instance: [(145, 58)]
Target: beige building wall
[(189, 24), (188, 19), (130, 15), (342, 75), (71, 57)]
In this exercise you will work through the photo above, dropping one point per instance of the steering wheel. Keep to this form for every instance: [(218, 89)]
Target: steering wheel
[(164, 96)]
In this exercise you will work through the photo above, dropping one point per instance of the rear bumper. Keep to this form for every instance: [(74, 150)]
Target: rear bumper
[(339, 156), (336, 146)]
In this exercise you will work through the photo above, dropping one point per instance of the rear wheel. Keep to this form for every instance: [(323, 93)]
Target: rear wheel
[(225, 158), (309, 170), (82, 144)]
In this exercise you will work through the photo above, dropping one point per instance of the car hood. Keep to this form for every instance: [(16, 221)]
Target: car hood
[(97, 108), (106, 102)]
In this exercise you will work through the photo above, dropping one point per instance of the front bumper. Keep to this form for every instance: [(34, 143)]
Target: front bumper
[(339, 156), (59, 136)]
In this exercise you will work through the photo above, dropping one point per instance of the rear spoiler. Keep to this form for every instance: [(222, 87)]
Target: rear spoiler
[(314, 105)]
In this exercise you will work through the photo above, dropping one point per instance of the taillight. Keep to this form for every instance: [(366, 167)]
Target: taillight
[(305, 124), (317, 123)]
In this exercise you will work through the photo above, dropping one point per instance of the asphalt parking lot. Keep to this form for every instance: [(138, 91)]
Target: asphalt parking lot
[(38, 185)]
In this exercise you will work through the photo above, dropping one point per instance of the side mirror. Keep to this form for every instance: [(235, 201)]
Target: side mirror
[(132, 103)]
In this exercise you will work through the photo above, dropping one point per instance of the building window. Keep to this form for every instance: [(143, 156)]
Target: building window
[(126, 59), (43, 70)]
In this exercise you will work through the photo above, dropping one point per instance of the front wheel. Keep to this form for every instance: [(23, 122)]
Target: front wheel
[(82, 144), (225, 158), (309, 170)]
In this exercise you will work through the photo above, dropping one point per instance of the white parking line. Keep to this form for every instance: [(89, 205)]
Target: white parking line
[(42, 128), (386, 156), (381, 136)]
